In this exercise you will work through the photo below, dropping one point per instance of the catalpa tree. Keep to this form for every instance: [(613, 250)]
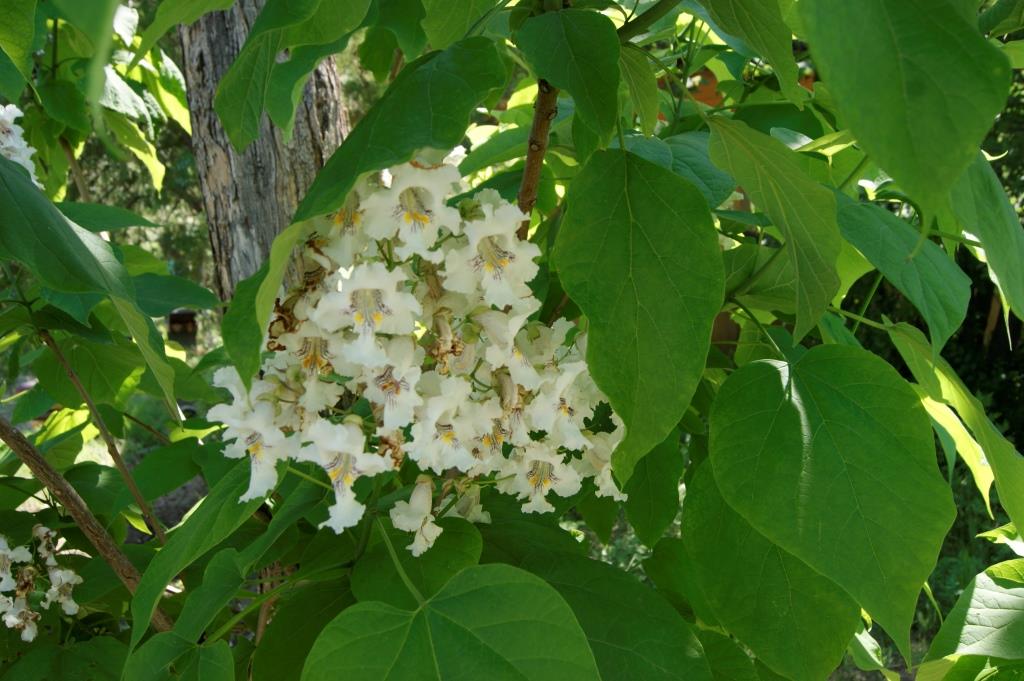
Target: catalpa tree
[(581, 271)]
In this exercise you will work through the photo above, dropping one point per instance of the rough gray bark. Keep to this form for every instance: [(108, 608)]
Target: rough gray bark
[(251, 196)]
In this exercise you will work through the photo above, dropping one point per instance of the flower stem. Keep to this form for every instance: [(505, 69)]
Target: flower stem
[(309, 478)]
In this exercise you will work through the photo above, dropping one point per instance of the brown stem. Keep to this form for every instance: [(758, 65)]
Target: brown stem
[(84, 519), (397, 62), (147, 512), (76, 171), (544, 111), (271, 575), (558, 309)]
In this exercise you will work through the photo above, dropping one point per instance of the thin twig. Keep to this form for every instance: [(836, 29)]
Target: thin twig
[(62, 490), (544, 111), (108, 438), (145, 426)]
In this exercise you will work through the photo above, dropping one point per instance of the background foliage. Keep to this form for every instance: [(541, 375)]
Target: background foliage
[(730, 156)]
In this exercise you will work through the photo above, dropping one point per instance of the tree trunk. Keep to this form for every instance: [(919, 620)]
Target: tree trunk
[(251, 196)]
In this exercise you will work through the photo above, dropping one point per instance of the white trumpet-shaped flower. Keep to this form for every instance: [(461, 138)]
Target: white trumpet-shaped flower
[(535, 470), (250, 423), (393, 386), (435, 442), (495, 259), (12, 141), (62, 581), (368, 300), (502, 330), (415, 516), (414, 207), (556, 410), (338, 449), (18, 615), (8, 558), (596, 462)]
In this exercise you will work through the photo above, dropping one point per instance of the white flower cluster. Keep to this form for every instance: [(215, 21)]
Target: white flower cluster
[(12, 141), (15, 610), (422, 313)]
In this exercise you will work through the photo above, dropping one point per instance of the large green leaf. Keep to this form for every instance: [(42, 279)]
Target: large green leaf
[(225, 574), (670, 568), (490, 621), (95, 20), (577, 51), (65, 102), (17, 33), (412, 114), (324, 33), (982, 207), (923, 272), (653, 490), (172, 12), (794, 619), (288, 81), (444, 24), (634, 632), (729, 662), (941, 382), (98, 217), (65, 257), (636, 71), (109, 372), (61, 254), (402, 18), (243, 89), (637, 252), (241, 330), (832, 458), (691, 160), (988, 618), (210, 662), (217, 516), (159, 294), (12, 83), (512, 535), (759, 23), (94, 659), (374, 577), (298, 620), (332, 20), (805, 211), (1005, 16), (931, 126)]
